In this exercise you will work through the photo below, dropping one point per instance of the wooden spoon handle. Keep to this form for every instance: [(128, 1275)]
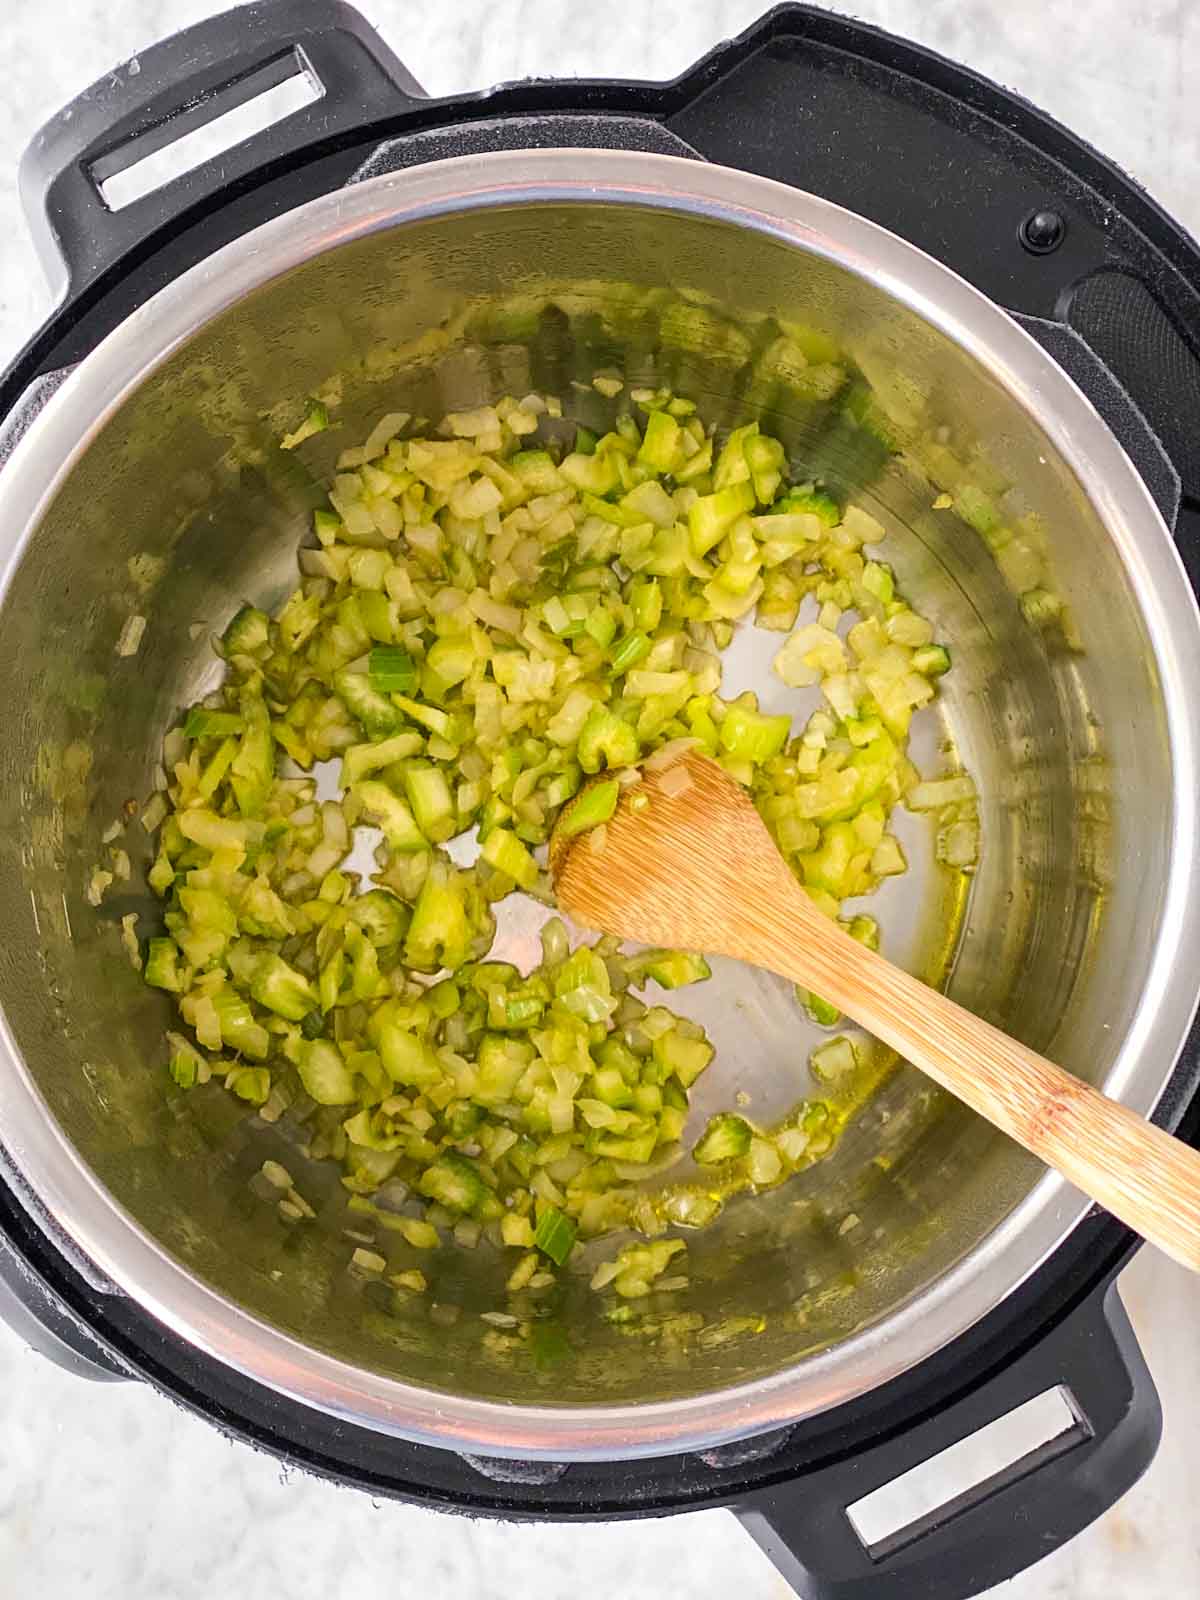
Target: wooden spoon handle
[(1144, 1176)]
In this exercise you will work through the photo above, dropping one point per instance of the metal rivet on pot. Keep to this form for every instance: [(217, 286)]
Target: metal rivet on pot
[(1042, 231)]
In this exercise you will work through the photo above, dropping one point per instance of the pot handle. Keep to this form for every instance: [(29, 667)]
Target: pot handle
[(39, 1319), (181, 85), (996, 1530), (1115, 404)]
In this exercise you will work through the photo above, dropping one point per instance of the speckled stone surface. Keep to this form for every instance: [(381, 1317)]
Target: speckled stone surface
[(111, 1493)]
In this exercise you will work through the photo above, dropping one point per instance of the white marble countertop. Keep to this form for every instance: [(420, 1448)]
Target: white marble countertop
[(112, 1493)]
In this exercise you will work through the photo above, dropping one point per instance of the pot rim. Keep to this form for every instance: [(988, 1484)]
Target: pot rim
[(123, 1250)]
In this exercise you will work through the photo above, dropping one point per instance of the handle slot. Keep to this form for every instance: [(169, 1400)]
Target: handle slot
[(1007, 1449), (202, 131)]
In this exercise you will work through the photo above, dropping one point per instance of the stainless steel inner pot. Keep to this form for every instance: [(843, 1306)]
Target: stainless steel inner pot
[(444, 287)]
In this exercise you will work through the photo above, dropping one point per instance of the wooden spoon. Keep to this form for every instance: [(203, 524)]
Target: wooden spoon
[(696, 869)]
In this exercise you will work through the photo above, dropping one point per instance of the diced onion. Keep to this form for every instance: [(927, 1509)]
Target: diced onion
[(130, 639)]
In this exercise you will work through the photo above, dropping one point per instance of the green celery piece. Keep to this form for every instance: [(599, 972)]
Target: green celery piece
[(407, 1059), (732, 467), (444, 998), (205, 724), (206, 909), (660, 447), (582, 986), (382, 917), (504, 851), (597, 474), (673, 968), (514, 1010), (555, 1235), (619, 516), (812, 503), (393, 815), (238, 1028), (162, 965), (327, 526), (440, 932), (430, 717), (606, 738), (263, 914), (249, 631), (725, 1138), (501, 1062), (454, 1182), (595, 805), (646, 599), (821, 1012), (282, 989), (374, 710), (252, 1084), (536, 470), (600, 625), (609, 1085), (686, 1058), (931, 660), (751, 736), (392, 670), (431, 800), (634, 647), (316, 420), (448, 662), (252, 771), (329, 980), (363, 759), (585, 441), (712, 516), (324, 1073)]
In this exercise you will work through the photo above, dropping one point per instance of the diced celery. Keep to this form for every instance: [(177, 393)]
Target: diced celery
[(393, 815), (627, 652), (583, 988), (596, 804), (833, 1061), (725, 1138), (205, 724), (249, 631), (282, 989), (431, 801), (686, 1058), (392, 670), (673, 968), (478, 629), (660, 448), (374, 710), (504, 851), (324, 1073), (162, 965), (931, 660), (440, 933), (407, 1058), (712, 516), (606, 740), (316, 420), (750, 736), (821, 1012), (555, 1235), (454, 1182)]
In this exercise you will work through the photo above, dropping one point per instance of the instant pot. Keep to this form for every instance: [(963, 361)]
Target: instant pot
[(988, 274)]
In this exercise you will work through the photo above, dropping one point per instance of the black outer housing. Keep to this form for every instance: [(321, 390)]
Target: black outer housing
[(826, 104)]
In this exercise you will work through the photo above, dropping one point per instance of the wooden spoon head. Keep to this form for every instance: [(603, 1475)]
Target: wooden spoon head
[(685, 870)]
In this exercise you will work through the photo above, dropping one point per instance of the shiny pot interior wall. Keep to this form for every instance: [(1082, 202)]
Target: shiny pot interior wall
[(183, 506)]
